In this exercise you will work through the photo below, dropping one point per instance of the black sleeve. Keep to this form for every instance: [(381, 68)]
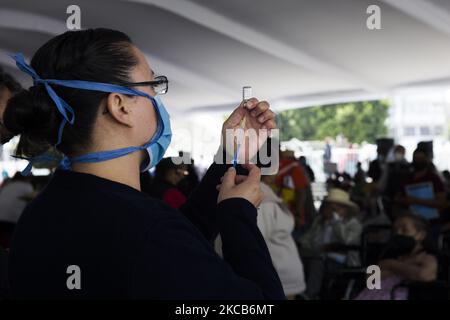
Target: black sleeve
[(200, 207), (177, 262)]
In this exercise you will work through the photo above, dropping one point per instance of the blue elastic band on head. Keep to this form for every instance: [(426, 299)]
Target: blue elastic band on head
[(62, 106), (68, 115)]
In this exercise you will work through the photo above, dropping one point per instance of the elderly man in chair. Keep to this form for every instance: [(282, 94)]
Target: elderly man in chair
[(336, 227)]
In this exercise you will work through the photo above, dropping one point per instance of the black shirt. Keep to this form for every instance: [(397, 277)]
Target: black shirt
[(129, 245)]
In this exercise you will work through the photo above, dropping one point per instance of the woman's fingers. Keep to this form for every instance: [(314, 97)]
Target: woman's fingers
[(260, 108), (251, 103), (254, 173), (269, 125), (246, 187), (235, 118), (240, 178), (266, 115), (229, 177)]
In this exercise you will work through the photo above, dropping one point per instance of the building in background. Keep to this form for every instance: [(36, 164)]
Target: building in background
[(422, 115)]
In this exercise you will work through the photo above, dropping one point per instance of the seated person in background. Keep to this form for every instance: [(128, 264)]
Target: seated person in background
[(408, 256), (164, 184), (335, 227), (276, 223)]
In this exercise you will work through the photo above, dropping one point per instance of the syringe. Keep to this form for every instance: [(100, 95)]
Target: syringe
[(246, 95)]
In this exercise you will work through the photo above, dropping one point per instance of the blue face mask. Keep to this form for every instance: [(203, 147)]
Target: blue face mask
[(155, 148)]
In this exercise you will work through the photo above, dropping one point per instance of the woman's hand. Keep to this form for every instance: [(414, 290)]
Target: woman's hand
[(246, 187), (386, 267), (258, 117)]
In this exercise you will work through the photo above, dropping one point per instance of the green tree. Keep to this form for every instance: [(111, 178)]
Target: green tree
[(357, 121)]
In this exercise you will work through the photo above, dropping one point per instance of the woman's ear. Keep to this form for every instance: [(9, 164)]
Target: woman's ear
[(119, 107)]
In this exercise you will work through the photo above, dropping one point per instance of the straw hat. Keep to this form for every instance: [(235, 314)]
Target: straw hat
[(341, 197), (287, 154)]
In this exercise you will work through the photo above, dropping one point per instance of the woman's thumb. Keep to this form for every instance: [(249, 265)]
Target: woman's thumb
[(229, 177), (235, 118)]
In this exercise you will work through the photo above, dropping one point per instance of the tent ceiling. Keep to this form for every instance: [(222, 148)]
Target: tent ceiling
[(293, 52)]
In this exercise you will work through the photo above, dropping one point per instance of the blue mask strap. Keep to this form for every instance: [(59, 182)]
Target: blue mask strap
[(38, 159), (66, 162), (62, 106)]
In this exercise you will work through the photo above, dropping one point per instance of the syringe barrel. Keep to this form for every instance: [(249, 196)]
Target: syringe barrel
[(246, 93)]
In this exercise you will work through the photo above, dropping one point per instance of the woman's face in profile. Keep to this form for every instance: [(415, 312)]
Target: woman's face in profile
[(144, 113)]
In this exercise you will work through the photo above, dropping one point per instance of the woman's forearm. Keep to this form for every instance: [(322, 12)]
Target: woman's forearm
[(432, 203), (409, 271)]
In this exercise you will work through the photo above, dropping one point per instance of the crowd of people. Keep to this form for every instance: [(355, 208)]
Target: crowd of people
[(395, 216), (170, 233)]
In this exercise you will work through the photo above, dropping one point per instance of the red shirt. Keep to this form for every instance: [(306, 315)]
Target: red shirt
[(174, 198), (296, 172)]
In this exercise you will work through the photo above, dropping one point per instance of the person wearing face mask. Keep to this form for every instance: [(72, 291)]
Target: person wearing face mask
[(8, 88), (423, 173), (407, 256), (337, 225), (91, 233)]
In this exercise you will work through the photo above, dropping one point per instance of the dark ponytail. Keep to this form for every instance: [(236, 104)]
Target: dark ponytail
[(98, 55)]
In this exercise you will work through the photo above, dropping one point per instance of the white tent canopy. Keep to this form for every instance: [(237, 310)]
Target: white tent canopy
[(293, 52)]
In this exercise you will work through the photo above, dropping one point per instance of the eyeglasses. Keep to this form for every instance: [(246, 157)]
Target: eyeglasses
[(160, 85)]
